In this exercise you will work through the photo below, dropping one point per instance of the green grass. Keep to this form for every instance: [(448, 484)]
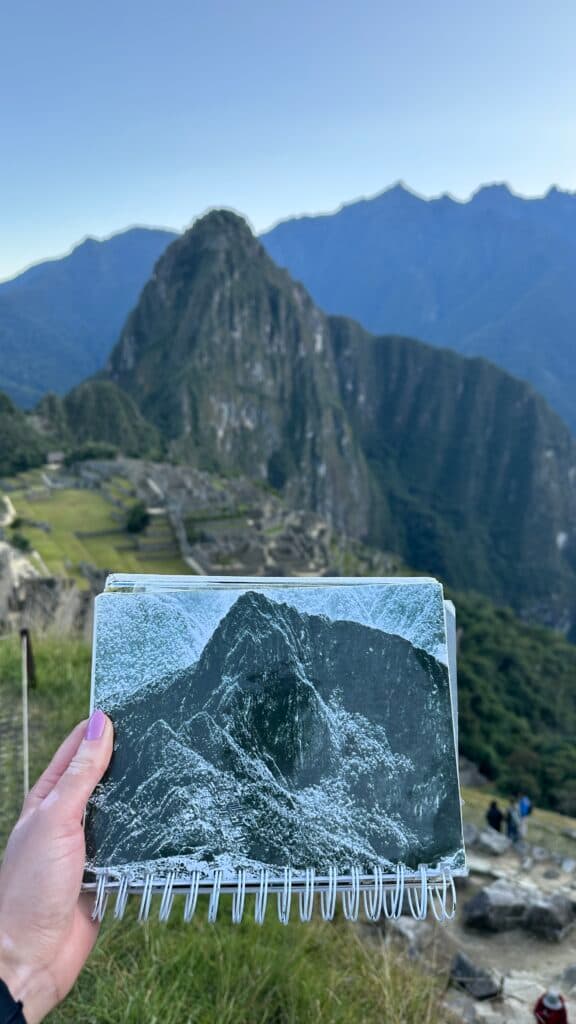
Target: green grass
[(72, 511), (59, 701), (27, 478), (197, 973), (245, 974)]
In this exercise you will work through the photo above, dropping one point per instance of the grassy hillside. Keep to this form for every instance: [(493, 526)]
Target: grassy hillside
[(198, 973), (70, 526)]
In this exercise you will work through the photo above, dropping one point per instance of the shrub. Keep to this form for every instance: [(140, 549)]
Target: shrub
[(18, 540), (91, 450), (137, 518)]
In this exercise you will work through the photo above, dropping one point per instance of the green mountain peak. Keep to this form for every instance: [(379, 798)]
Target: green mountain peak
[(458, 466)]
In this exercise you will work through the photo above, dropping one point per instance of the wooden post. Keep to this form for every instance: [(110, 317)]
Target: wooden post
[(30, 663), (25, 647)]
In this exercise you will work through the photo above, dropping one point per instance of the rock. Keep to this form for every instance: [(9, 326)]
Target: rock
[(477, 981), (484, 866), (568, 865), (522, 848), (540, 854), (570, 833), (471, 834), (460, 1006), (520, 992), (470, 774), (414, 936), (496, 908), (550, 917), (568, 977), (521, 986), (464, 884), (551, 873), (527, 864), (490, 841), (488, 1013)]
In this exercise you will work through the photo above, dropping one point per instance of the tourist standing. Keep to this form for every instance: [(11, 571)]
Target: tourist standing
[(494, 816), (524, 809), (513, 821), (551, 1008)]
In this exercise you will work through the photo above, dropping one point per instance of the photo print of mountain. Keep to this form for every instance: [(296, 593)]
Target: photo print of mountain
[(303, 723)]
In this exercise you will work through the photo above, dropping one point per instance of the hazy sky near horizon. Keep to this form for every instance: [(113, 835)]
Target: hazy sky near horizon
[(135, 112)]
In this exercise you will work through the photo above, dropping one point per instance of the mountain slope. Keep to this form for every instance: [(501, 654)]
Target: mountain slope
[(493, 276), (517, 702), (97, 411), (461, 469), (225, 354), (59, 319), (21, 447)]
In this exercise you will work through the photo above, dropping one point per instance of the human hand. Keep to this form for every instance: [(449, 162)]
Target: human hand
[(46, 929)]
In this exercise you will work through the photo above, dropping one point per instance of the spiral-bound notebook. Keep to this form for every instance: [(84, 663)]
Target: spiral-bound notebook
[(277, 736)]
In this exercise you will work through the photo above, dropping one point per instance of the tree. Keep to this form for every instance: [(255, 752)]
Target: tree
[(138, 518)]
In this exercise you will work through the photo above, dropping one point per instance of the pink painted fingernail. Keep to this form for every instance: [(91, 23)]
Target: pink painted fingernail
[(96, 726)]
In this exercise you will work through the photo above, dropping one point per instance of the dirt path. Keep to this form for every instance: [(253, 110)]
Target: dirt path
[(8, 517)]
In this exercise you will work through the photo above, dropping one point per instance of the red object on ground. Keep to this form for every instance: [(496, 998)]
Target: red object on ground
[(545, 1015)]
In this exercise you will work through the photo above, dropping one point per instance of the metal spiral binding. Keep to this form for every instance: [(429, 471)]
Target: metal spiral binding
[(415, 892), (394, 909), (215, 897), (351, 897), (167, 897), (419, 904), (121, 898), (239, 897), (442, 913), (146, 897), (285, 897), (372, 898), (192, 896), (101, 898), (262, 896), (328, 898), (306, 898)]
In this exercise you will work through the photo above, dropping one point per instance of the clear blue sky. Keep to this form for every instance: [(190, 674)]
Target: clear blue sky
[(139, 111)]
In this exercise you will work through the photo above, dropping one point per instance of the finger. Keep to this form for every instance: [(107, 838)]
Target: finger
[(85, 770), (57, 766)]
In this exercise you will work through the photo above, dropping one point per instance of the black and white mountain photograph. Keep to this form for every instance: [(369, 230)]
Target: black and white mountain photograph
[(308, 726)]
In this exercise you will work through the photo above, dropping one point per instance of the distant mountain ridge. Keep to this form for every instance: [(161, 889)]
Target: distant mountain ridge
[(59, 319), (493, 276), (460, 468)]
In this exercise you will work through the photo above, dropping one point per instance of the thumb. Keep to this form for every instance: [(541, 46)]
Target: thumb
[(83, 773)]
